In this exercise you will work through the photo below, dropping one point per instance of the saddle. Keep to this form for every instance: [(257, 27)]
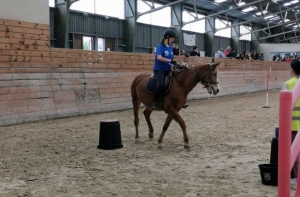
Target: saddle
[(151, 84)]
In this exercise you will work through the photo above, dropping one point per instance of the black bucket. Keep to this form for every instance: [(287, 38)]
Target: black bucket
[(110, 135), (269, 174)]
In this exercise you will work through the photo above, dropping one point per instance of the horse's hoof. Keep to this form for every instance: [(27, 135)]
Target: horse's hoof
[(187, 147), (150, 136), (137, 140), (160, 147)]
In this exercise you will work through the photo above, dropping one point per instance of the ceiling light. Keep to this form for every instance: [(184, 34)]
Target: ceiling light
[(287, 4), (259, 13), (220, 1), (275, 18), (249, 9), (267, 17)]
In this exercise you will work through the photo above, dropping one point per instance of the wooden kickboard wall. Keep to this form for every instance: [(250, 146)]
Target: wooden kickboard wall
[(38, 82)]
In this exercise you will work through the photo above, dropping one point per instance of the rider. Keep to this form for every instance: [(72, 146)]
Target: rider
[(163, 63)]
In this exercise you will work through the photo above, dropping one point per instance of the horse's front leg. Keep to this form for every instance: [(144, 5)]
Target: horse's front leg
[(165, 128), (182, 124), (147, 113)]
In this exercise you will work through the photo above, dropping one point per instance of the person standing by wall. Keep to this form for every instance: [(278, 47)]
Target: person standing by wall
[(175, 49), (152, 51), (227, 51), (289, 85), (220, 54), (163, 63), (195, 52)]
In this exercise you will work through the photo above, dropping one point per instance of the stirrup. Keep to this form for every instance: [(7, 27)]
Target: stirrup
[(154, 105), (185, 106)]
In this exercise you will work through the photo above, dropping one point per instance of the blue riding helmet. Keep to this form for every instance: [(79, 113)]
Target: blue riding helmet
[(169, 33)]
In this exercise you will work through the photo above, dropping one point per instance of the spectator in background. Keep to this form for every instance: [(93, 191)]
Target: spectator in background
[(183, 53), (251, 55), (195, 52), (262, 57), (231, 53), (240, 57), (256, 56), (152, 51), (227, 50), (220, 54), (175, 49)]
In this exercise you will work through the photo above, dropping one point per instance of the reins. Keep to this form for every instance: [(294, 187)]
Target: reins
[(208, 83)]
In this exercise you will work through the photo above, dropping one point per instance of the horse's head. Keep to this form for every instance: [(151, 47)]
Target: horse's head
[(209, 78), (211, 82)]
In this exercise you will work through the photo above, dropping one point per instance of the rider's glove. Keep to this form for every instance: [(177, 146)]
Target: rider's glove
[(173, 62)]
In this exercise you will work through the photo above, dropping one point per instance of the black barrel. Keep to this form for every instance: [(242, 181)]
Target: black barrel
[(274, 151), (110, 135)]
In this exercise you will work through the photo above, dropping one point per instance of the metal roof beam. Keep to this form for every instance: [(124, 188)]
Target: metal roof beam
[(162, 7), (222, 12), (279, 34), (261, 17), (269, 27), (290, 38)]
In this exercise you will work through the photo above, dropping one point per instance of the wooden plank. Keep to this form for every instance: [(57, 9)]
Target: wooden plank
[(4, 52), (24, 36), (29, 64), (28, 53), (5, 58), (24, 30), (23, 41), (24, 24), (23, 47), (30, 59)]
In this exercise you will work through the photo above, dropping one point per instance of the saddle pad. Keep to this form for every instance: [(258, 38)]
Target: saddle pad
[(151, 84)]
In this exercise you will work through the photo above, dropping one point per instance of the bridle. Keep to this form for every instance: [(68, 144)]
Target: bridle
[(209, 82)]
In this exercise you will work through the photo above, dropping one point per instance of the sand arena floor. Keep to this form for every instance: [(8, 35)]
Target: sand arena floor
[(229, 138)]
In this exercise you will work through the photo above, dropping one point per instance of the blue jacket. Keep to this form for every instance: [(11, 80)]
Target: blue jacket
[(166, 52)]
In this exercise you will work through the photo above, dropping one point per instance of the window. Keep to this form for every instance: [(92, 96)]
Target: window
[(154, 18), (223, 32), (101, 44), (88, 43), (244, 30), (198, 26), (51, 3), (115, 8)]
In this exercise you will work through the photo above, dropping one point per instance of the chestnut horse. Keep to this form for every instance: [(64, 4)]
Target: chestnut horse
[(182, 83)]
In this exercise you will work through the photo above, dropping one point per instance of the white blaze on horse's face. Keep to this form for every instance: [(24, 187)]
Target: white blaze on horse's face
[(214, 86), (209, 89)]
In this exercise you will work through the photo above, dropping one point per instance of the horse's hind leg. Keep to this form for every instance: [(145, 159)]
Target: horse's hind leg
[(165, 128), (147, 113)]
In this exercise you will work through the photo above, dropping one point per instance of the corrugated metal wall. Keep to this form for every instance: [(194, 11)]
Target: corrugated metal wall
[(150, 36), (220, 42), (147, 36), (51, 18), (244, 45), (96, 25)]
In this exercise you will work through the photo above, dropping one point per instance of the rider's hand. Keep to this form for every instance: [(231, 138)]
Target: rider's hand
[(173, 62)]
